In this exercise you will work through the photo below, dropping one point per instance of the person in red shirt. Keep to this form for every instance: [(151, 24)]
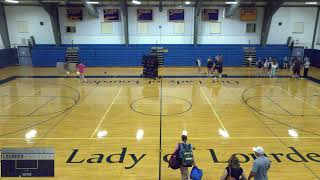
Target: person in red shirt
[(81, 68)]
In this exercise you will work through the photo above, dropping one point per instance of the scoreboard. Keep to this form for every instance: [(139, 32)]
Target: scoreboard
[(27, 162)]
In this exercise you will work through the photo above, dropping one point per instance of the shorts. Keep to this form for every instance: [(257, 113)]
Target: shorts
[(219, 69), (296, 71)]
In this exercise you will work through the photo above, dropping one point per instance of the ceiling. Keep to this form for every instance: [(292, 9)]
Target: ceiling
[(156, 2)]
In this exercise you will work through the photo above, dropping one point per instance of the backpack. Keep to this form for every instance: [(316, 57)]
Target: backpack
[(186, 155), (174, 160)]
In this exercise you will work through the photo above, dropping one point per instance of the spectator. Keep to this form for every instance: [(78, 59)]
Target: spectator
[(233, 170), (185, 156), (260, 166)]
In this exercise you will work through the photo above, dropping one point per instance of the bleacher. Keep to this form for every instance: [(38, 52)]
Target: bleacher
[(178, 55)]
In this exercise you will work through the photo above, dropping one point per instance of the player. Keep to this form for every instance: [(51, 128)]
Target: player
[(198, 64), (209, 66), (81, 69), (218, 66), (259, 65)]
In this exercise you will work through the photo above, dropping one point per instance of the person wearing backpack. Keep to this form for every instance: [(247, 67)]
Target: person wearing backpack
[(185, 157), (233, 171)]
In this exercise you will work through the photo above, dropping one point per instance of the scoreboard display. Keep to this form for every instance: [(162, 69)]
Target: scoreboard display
[(27, 162)]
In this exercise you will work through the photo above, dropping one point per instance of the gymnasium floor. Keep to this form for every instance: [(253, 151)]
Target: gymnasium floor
[(143, 120)]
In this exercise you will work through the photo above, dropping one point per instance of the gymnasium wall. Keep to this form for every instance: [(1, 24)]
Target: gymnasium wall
[(233, 31), (288, 16), (24, 21)]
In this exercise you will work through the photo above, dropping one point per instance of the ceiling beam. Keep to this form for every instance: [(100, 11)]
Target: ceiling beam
[(124, 10), (197, 11), (4, 27), (271, 8), (53, 10)]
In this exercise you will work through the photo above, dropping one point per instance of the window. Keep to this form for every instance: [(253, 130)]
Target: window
[(71, 29), (251, 28)]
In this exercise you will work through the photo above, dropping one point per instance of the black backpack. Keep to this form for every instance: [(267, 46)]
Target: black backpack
[(186, 155)]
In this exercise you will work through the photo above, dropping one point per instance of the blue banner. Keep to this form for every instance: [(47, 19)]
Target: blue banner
[(111, 15), (176, 14), (210, 14), (144, 14)]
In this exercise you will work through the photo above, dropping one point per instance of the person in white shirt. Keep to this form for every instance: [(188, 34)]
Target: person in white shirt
[(249, 60), (306, 66), (274, 67), (198, 64)]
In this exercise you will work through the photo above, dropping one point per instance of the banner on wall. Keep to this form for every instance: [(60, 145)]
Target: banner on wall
[(110, 15), (74, 14), (176, 14), (144, 14), (210, 14), (248, 14)]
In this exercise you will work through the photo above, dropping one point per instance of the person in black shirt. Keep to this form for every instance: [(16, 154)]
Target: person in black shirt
[(296, 68), (209, 66), (233, 169)]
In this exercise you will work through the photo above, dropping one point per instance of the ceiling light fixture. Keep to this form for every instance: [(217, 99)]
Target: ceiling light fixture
[(231, 2), (11, 1), (136, 2), (92, 2), (311, 3), (187, 2)]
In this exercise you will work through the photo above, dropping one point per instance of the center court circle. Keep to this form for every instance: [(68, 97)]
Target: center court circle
[(171, 105)]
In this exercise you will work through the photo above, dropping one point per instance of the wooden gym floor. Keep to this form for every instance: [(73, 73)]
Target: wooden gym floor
[(140, 121)]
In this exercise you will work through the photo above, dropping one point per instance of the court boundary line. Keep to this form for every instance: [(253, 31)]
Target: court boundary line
[(215, 113), (106, 112), (160, 143)]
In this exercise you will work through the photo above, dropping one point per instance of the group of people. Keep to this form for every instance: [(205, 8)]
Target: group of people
[(295, 65), (214, 67), (269, 66), (233, 171)]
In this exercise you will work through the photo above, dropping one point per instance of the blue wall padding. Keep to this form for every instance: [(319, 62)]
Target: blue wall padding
[(178, 55), (8, 57)]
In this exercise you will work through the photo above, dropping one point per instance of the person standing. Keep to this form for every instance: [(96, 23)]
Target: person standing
[(250, 60), (306, 66), (233, 170), (260, 166), (209, 66), (219, 66), (296, 68), (285, 62), (198, 64), (81, 67), (259, 65), (274, 67), (185, 157)]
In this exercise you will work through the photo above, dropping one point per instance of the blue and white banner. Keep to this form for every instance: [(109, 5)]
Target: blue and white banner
[(176, 14), (144, 14), (210, 14)]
